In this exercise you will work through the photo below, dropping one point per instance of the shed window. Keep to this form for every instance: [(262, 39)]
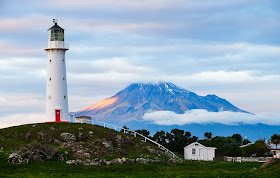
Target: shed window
[(63, 78), (50, 60), (50, 97), (193, 151), (62, 60), (50, 79), (64, 97)]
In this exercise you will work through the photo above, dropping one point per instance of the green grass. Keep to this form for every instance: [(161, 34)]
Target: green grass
[(186, 169)]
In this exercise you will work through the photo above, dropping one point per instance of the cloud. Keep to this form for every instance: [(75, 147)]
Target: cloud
[(145, 5), (9, 49), (20, 119), (200, 116), (19, 103)]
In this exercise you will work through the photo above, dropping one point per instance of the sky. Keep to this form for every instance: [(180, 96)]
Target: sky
[(230, 48)]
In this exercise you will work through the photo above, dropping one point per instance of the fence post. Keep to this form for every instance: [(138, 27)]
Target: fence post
[(134, 134), (145, 139), (123, 130), (115, 128), (104, 125)]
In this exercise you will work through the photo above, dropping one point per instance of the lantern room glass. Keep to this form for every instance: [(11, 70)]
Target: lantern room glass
[(56, 34)]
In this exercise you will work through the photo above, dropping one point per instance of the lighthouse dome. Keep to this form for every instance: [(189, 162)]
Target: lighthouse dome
[(56, 33)]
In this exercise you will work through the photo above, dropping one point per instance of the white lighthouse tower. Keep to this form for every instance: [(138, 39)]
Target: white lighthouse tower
[(57, 99)]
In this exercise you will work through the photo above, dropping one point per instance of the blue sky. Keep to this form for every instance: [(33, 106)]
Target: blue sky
[(230, 48)]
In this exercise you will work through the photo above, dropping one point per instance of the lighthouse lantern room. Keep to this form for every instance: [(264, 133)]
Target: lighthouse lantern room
[(56, 98)]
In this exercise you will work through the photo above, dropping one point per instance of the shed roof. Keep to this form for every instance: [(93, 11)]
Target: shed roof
[(196, 143), (82, 117)]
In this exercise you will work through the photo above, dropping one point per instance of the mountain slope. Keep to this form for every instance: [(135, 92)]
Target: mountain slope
[(137, 99)]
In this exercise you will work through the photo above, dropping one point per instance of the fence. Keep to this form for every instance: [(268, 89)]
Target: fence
[(246, 159), (116, 128)]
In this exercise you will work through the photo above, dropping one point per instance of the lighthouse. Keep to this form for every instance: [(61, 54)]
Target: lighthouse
[(56, 96)]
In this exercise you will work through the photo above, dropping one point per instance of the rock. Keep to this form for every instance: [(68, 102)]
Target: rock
[(28, 135), (1, 149), (37, 152), (254, 169), (119, 138), (41, 134), (33, 125), (15, 158), (68, 137), (81, 128), (71, 162), (124, 160), (107, 144), (90, 133), (87, 155), (52, 128), (108, 163)]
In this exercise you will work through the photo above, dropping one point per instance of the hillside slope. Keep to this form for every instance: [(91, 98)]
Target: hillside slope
[(76, 141), (137, 99)]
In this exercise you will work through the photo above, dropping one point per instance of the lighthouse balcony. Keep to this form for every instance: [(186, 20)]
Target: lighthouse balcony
[(57, 45)]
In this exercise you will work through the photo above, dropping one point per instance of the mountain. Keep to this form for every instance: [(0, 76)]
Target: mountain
[(137, 99)]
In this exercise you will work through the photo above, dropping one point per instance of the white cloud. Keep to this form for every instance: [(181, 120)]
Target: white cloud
[(150, 4), (20, 119), (200, 116)]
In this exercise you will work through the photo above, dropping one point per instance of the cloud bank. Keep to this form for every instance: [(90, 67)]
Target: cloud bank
[(201, 116), (20, 119)]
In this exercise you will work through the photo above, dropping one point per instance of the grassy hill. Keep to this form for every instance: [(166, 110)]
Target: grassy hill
[(96, 138), (92, 141)]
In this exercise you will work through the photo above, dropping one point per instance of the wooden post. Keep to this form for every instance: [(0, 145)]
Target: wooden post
[(134, 134), (123, 130), (115, 128), (104, 125), (145, 139)]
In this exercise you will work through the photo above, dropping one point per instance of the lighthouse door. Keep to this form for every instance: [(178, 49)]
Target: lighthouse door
[(57, 115)]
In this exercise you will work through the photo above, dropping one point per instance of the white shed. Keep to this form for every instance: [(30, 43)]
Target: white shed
[(83, 119), (197, 151)]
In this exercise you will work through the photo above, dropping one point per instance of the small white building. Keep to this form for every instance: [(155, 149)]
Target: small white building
[(275, 153), (83, 119), (197, 151)]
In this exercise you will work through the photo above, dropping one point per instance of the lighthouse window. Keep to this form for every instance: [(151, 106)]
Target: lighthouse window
[(50, 97), (50, 79), (63, 78), (64, 97), (62, 60), (50, 60)]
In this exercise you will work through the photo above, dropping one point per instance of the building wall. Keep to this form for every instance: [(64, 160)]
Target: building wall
[(56, 96), (201, 153)]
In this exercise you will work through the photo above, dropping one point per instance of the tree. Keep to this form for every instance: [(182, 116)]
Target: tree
[(275, 139), (237, 137), (125, 129), (208, 135), (246, 141), (259, 148), (160, 137), (144, 132)]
